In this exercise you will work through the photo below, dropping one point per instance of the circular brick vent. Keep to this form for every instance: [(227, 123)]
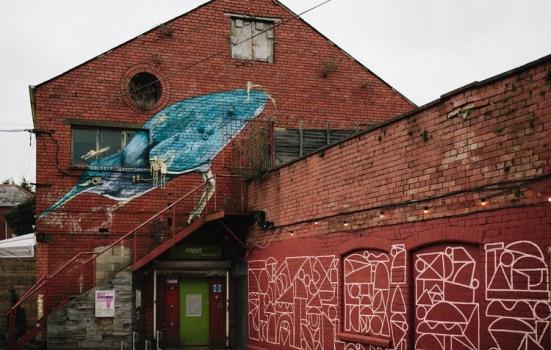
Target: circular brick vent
[(145, 90)]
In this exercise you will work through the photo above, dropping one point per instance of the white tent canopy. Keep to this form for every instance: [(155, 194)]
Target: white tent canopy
[(18, 247)]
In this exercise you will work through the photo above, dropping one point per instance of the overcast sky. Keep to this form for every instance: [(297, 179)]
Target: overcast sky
[(422, 48)]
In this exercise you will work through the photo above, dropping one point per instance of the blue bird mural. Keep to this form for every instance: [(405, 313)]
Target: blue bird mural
[(184, 137)]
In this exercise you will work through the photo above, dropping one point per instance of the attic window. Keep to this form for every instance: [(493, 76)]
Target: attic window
[(145, 90), (252, 39)]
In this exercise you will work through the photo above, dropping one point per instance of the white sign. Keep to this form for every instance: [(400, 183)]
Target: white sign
[(193, 305), (105, 303)]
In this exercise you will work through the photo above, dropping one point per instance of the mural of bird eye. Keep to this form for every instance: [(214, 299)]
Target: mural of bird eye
[(184, 137)]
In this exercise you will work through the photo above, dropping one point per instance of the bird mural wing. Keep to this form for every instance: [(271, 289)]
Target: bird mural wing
[(186, 136)]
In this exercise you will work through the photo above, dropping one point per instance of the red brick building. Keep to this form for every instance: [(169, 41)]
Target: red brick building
[(427, 230), (162, 131)]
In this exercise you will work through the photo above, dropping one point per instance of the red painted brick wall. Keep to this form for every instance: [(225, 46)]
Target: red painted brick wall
[(350, 96), (383, 240)]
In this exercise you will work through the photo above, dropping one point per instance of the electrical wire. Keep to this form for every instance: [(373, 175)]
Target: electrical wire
[(207, 58), (16, 130), (506, 186), (167, 78)]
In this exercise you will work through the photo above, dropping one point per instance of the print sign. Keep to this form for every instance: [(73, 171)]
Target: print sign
[(105, 303)]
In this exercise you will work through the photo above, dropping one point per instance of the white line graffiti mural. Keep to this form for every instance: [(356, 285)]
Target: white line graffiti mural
[(294, 303), (447, 311), (518, 295), (399, 326), (366, 293), (373, 284)]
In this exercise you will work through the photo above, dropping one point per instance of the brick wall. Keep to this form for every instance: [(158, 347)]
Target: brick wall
[(20, 275), (97, 91), (430, 231)]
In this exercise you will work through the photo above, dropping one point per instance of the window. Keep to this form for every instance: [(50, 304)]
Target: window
[(145, 90), (89, 144), (252, 39), (292, 143)]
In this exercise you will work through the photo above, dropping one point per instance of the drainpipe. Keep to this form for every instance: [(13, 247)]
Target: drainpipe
[(155, 302), (227, 308)]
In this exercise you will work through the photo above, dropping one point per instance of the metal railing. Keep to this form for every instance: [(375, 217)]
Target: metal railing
[(89, 269)]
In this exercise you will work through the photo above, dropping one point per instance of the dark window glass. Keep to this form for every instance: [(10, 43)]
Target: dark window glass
[(84, 145), (110, 142), (89, 144), (145, 90)]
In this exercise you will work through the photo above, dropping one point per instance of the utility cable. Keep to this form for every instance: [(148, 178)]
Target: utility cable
[(209, 57), (506, 186), (169, 77)]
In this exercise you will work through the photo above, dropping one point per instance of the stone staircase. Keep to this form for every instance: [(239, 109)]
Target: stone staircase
[(74, 325)]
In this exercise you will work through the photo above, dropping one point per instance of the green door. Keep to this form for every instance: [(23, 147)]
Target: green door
[(194, 311)]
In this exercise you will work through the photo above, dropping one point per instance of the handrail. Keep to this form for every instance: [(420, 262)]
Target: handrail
[(149, 220), (44, 280)]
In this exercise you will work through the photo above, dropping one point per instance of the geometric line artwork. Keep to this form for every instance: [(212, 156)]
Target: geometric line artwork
[(373, 295), (398, 322), (366, 293), (447, 311), (294, 303), (518, 294)]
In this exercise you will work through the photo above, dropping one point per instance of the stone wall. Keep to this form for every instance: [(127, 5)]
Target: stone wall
[(19, 274), (74, 326)]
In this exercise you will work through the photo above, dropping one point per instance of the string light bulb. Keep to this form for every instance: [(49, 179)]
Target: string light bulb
[(382, 215), (425, 210), (483, 201), (346, 224)]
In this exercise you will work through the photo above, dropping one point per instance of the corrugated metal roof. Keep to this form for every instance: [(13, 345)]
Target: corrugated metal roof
[(12, 195)]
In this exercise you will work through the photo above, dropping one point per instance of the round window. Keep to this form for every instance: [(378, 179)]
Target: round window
[(145, 90)]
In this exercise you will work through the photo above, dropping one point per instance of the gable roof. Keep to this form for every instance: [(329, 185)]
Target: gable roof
[(294, 15), (12, 195)]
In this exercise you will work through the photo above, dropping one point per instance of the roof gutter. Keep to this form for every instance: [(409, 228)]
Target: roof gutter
[(32, 98)]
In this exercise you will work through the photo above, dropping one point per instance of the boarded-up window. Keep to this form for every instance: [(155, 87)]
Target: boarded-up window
[(294, 143), (252, 39)]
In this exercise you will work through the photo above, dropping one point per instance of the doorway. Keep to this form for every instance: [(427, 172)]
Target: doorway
[(194, 311)]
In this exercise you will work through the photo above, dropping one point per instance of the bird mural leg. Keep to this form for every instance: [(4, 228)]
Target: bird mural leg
[(208, 177)]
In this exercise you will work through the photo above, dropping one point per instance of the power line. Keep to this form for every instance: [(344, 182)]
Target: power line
[(16, 130), (209, 57), (157, 80), (183, 69), (503, 187)]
